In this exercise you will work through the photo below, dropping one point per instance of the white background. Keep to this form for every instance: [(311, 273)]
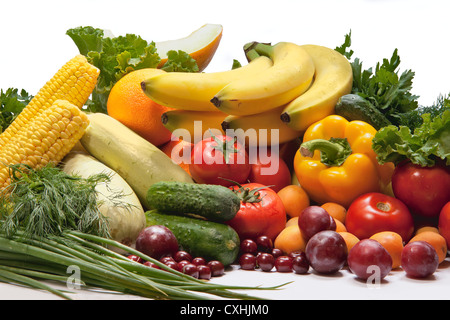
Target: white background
[(33, 46)]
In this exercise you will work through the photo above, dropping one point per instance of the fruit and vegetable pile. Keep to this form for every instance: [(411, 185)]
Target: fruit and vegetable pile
[(153, 177)]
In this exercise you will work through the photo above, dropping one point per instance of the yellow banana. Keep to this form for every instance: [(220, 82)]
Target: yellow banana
[(261, 129), (194, 91), (193, 125), (291, 75), (333, 79)]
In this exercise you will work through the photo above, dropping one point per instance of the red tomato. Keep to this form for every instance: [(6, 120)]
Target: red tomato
[(219, 157), (374, 212), (270, 171), (425, 190), (444, 223), (262, 212)]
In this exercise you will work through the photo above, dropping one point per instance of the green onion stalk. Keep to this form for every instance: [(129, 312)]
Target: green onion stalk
[(24, 260), (43, 237)]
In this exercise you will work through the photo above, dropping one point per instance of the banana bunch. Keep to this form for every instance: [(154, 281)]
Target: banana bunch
[(273, 99)]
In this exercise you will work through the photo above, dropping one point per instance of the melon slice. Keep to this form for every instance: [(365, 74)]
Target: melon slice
[(200, 44)]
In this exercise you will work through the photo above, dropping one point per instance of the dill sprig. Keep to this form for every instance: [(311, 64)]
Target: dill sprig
[(48, 201)]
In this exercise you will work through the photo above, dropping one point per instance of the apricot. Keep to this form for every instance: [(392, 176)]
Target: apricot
[(290, 239), (427, 228), (434, 239), (335, 210), (340, 227), (393, 243), (294, 199), (349, 238)]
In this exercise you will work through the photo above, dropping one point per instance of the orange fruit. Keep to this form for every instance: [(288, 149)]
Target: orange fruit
[(436, 240), (128, 104), (335, 210), (393, 243), (292, 221), (290, 239), (427, 228), (340, 227), (200, 44), (179, 151), (294, 199), (349, 238)]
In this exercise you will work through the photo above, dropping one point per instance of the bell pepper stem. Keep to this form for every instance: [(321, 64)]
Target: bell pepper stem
[(334, 152)]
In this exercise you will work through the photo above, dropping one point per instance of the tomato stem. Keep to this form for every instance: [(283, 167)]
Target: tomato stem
[(225, 147), (248, 195), (383, 206)]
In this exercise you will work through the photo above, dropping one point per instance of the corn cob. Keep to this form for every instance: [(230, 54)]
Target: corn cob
[(74, 82), (46, 138)]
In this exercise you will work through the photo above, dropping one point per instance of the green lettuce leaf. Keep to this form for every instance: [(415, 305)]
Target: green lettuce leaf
[(180, 61), (423, 146), (86, 39)]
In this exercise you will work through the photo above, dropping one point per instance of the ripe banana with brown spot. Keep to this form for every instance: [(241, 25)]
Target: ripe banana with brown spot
[(261, 129), (194, 91), (290, 76), (333, 79)]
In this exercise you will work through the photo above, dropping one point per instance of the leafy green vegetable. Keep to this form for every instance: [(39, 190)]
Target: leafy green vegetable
[(11, 104), (423, 146), (179, 61), (384, 87), (414, 118), (117, 56)]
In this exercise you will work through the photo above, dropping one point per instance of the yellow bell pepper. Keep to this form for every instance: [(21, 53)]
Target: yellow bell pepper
[(336, 163)]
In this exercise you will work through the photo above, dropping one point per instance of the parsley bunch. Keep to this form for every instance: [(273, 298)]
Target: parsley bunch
[(384, 87), (12, 102)]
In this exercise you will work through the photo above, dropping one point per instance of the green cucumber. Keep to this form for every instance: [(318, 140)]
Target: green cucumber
[(211, 202), (354, 107), (202, 238)]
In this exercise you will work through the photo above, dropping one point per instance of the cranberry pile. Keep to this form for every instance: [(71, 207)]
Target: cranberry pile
[(260, 253), (182, 261)]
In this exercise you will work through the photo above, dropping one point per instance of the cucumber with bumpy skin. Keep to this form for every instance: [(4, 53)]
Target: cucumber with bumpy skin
[(354, 107), (201, 238), (212, 202)]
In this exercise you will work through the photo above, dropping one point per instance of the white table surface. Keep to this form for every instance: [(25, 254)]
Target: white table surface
[(342, 285), (34, 46)]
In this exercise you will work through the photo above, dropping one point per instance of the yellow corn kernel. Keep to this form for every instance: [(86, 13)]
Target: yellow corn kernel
[(74, 82), (37, 148)]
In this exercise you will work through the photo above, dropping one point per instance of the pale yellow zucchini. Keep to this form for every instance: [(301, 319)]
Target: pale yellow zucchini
[(125, 214), (138, 161)]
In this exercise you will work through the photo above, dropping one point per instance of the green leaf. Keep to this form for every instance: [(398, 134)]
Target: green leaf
[(114, 57), (344, 49), (86, 39), (236, 64), (384, 87), (11, 104), (423, 146), (179, 61)]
